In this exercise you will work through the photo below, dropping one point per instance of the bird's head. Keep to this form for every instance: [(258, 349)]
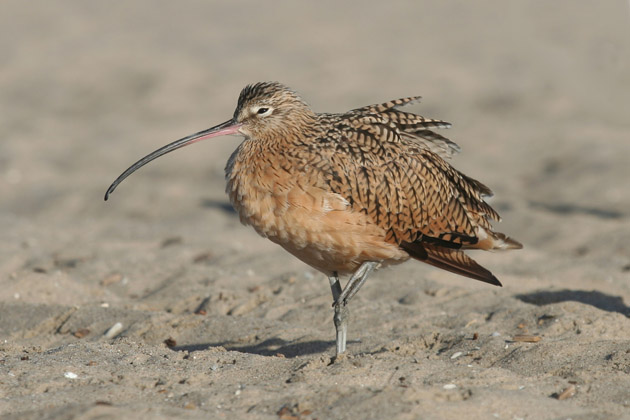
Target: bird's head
[(265, 111), (270, 110)]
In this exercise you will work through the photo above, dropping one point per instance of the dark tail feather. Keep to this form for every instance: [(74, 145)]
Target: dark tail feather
[(451, 260)]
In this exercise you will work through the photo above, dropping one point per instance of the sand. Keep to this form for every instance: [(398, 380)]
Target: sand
[(158, 304)]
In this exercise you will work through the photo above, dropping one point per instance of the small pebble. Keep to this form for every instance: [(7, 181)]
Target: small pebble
[(527, 338), (495, 334), (449, 386), (114, 330), (81, 332), (456, 355), (175, 240), (203, 257), (112, 279), (70, 375), (567, 393)]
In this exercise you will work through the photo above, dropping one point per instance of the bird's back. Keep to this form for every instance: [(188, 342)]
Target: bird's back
[(391, 166)]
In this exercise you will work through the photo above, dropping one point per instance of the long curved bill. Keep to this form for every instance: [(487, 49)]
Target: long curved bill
[(228, 127)]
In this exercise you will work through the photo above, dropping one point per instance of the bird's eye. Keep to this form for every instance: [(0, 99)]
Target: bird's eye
[(261, 111)]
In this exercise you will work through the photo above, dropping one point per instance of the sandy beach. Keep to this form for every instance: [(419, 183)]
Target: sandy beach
[(159, 304)]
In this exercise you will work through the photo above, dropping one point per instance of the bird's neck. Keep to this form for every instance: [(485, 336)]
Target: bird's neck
[(257, 160)]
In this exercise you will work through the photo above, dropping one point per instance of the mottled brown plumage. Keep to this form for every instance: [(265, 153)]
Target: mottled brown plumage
[(346, 193)]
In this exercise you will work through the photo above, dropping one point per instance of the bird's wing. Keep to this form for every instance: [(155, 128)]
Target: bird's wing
[(413, 127), (407, 189), (386, 106)]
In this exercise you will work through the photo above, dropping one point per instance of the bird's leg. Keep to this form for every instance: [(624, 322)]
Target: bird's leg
[(341, 314), (335, 286), (341, 298), (356, 281)]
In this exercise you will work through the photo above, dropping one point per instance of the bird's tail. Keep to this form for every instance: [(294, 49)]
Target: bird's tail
[(452, 260), (494, 241)]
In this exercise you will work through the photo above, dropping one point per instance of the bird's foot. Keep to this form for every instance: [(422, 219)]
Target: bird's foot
[(338, 358)]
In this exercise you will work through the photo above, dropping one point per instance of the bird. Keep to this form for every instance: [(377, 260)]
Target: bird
[(351, 192)]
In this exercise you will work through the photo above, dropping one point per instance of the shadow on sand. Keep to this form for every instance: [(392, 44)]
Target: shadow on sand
[(222, 205), (594, 298), (269, 347)]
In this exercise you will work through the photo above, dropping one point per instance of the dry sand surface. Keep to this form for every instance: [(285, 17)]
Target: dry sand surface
[(216, 322)]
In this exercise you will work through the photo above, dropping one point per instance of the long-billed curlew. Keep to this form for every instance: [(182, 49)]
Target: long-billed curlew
[(347, 193)]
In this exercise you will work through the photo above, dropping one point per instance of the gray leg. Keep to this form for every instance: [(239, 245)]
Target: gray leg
[(335, 286), (341, 314), (355, 282), (342, 297)]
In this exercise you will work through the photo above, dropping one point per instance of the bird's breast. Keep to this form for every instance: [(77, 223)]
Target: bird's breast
[(292, 207)]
